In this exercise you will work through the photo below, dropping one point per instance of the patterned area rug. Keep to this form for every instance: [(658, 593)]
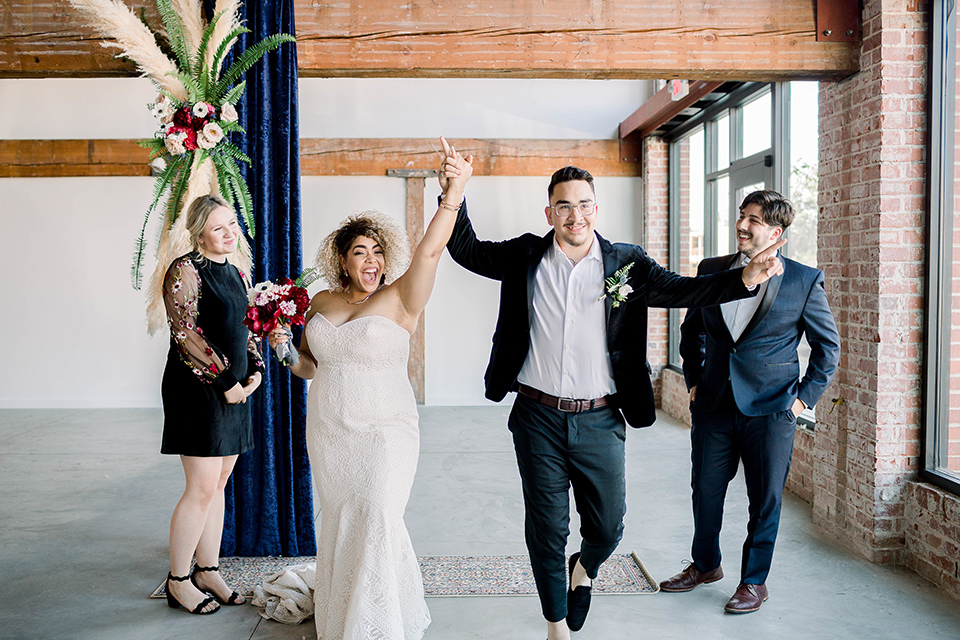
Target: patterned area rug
[(458, 576)]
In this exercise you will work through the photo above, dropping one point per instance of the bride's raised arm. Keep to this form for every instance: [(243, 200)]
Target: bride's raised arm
[(416, 284)]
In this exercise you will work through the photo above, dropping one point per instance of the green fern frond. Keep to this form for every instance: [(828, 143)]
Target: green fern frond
[(222, 50), (230, 127), (248, 202), (178, 42), (233, 151), (308, 277), (136, 269), (203, 73), (155, 145), (242, 193), (233, 96), (179, 188), (232, 189), (190, 84), (223, 179), (249, 58), (228, 177)]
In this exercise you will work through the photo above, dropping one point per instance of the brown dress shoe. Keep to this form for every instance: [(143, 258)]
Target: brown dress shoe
[(690, 578), (748, 598)]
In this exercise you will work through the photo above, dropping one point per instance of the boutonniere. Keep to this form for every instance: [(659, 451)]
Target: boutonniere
[(617, 287)]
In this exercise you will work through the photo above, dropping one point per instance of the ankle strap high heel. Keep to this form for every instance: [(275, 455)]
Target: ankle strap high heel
[(233, 600), (173, 603)]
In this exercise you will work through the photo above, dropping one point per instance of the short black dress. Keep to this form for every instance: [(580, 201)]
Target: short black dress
[(210, 351)]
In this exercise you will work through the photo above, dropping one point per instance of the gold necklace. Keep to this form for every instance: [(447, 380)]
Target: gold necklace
[(344, 296)]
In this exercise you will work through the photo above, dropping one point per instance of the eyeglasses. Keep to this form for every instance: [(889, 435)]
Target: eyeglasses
[(586, 208)]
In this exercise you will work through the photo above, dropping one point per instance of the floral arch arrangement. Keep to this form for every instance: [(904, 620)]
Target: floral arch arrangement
[(196, 109)]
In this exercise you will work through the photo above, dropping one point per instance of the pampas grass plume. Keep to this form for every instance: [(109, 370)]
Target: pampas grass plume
[(113, 19), (191, 14), (227, 23)]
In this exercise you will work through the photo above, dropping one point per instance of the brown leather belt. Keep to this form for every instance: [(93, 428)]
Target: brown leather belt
[(567, 405)]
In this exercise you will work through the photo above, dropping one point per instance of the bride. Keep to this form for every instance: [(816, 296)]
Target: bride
[(362, 433)]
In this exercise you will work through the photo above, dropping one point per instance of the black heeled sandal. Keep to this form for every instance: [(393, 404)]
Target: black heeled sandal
[(173, 603), (232, 601)]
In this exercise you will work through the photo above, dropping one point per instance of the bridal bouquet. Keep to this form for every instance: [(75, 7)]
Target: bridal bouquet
[(282, 304)]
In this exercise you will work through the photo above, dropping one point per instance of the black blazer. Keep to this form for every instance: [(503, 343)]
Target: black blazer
[(514, 263), (762, 365)]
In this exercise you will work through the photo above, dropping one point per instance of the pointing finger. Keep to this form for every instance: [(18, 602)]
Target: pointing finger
[(776, 245)]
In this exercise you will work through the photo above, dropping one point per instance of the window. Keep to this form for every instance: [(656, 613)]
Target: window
[(759, 136), (941, 452)]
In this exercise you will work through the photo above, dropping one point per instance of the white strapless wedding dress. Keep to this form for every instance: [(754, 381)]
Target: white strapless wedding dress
[(363, 441)]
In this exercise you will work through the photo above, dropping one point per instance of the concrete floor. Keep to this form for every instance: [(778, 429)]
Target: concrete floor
[(87, 500)]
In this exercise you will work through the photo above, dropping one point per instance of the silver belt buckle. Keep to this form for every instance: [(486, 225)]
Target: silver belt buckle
[(576, 404)]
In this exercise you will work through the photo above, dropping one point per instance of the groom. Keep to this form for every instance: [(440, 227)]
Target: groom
[(574, 348)]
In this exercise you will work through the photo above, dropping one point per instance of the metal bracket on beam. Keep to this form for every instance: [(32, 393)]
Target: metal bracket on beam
[(838, 20), (631, 148)]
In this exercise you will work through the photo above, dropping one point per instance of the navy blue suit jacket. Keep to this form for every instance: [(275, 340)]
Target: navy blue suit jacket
[(763, 366), (514, 263)]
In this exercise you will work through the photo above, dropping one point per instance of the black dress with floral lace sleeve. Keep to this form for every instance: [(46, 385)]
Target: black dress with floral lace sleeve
[(210, 351)]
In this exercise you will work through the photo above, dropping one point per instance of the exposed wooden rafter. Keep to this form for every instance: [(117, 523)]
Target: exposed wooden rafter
[(326, 157), (720, 40), (661, 107)]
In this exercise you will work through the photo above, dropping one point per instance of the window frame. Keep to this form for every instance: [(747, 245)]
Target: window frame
[(942, 93)]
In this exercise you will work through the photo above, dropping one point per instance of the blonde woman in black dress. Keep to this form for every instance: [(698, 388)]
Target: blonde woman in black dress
[(213, 365)]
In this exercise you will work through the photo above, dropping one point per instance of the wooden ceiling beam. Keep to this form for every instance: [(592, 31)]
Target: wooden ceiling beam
[(661, 107), (722, 40), (376, 156), (327, 157)]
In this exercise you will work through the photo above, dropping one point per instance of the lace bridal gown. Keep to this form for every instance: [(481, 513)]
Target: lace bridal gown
[(363, 441)]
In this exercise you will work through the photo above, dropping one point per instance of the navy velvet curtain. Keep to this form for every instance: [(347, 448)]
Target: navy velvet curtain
[(269, 500)]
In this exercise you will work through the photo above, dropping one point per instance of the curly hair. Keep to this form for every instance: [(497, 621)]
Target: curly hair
[(371, 224)]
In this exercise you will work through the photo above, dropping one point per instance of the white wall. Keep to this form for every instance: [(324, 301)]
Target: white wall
[(75, 329)]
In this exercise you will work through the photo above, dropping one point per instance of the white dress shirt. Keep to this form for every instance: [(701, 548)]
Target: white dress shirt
[(738, 314), (568, 334)]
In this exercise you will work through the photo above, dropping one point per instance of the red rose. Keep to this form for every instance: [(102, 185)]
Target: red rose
[(252, 320), (183, 118), (190, 142)]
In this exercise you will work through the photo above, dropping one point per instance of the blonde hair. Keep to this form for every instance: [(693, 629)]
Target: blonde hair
[(370, 224), (197, 214)]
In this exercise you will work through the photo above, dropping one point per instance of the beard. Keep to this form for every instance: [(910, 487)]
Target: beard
[(576, 240)]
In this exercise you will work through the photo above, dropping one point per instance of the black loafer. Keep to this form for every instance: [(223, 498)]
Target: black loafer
[(578, 600)]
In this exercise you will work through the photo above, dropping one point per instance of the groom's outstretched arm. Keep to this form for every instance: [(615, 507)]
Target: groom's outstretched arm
[(483, 257)]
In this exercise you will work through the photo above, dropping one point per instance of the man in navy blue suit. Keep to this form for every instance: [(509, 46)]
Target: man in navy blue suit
[(741, 365)]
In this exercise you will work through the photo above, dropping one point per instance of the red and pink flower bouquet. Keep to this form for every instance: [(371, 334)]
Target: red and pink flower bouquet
[(282, 304)]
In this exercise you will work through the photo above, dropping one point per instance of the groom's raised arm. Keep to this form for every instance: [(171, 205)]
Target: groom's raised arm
[(483, 257)]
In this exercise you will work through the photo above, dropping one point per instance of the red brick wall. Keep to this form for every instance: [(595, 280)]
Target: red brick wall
[(933, 535), (656, 222), (675, 400), (872, 137), (800, 480)]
